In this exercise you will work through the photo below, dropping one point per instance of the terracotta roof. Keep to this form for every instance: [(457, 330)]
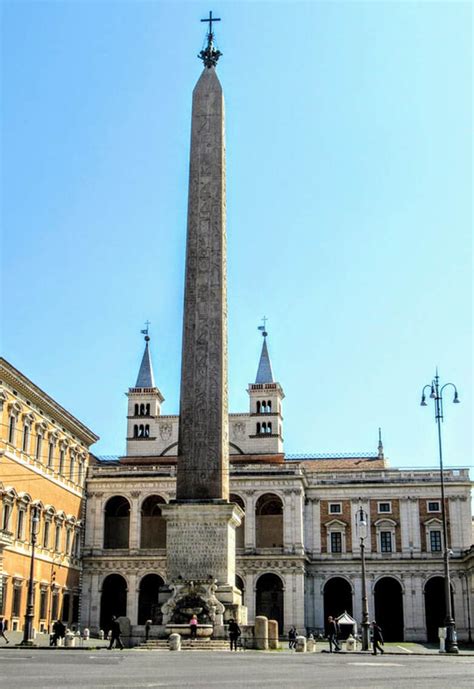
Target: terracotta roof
[(344, 464)]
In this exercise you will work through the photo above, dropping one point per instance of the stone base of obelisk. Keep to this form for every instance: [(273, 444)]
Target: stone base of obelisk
[(200, 552)]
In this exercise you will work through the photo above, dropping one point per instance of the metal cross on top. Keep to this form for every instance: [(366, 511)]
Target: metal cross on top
[(210, 55), (263, 328), (210, 20)]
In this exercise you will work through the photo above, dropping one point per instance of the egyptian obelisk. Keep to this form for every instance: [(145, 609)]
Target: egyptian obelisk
[(201, 522)]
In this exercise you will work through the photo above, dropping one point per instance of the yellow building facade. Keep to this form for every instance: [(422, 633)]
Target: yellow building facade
[(44, 457)]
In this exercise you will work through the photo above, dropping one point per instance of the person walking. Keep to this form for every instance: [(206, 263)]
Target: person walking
[(193, 624), (2, 629), (59, 632), (234, 633), (332, 632), (292, 634), (147, 629), (115, 633), (377, 638)]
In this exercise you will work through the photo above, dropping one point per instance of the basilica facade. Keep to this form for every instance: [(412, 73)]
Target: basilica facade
[(298, 549)]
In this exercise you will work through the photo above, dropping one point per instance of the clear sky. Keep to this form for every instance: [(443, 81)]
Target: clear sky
[(349, 175)]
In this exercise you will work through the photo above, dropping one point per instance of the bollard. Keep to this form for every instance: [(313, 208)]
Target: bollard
[(174, 642), (101, 634), (273, 635), (261, 633), (311, 644), (350, 643), (86, 634), (300, 644)]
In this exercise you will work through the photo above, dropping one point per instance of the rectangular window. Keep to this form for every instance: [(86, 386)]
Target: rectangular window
[(434, 506), (61, 462), (50, 454), (57, 539), (335, 508), (26, 437), (68, 542), (54, 605), (3, 597), (386, 541), (20, 525), (336, 542), (5, 517), (71, 470), (38, 448), (75, 609), (385, 507), (43, 604), (11, 431), (16, 601), (46, 534), (66, 605), (435, 541)]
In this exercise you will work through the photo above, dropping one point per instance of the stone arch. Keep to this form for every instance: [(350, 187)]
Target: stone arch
[(269, 598), (113, 599), (269, 521), (338, 597), (388, 607), (117, 522), (152, 524), (240, 530), (149, 607), (435, 606)]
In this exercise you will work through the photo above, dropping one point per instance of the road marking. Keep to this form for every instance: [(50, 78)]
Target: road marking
[(407, 650), (379, 664)]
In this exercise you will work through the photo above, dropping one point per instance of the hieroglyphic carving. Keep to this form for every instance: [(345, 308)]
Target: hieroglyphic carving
[(203, 463)]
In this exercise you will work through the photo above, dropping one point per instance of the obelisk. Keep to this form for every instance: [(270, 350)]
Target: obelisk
[(201, 523), (203, 447)]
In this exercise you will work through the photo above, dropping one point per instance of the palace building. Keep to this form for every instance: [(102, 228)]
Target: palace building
[(44, 459), (298, 547)]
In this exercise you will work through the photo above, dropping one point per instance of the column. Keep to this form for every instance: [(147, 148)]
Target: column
[(134, 535), (316, 526), (297, 511), (250, 541), (318, 602), (250, 594), (132, 598)]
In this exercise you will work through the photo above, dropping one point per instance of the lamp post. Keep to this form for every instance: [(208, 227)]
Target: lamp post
[(362, 527), (436, 394), (30, 604)]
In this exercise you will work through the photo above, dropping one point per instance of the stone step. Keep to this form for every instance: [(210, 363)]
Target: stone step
[(187, 645)]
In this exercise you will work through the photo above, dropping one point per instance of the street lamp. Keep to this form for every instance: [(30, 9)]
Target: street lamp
[(30, 604), (362, 527), (436, 394)]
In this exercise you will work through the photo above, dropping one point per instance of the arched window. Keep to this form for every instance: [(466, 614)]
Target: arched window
[(149, 607), (142, 410), (269, 598), (269, 427), (153, 525), (136, 410), (240, 530), (113, 600), (117, 522), (259, 428), (264, 427), (269, 406), (258, 407), (141, 431), (269, 521), (147, 410), (147, 431), (135, 431), (264, 407)]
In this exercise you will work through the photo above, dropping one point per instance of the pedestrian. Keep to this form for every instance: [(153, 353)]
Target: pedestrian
[(193, 623), (147, 629), (332, 632), (2, 629), (234, 633), (59, 632), (292, 634), (377, 638), (115, 633)]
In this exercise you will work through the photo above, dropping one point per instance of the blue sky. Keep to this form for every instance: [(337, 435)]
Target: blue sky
[(349, 175)]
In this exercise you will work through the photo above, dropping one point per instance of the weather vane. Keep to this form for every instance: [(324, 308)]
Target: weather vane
[(263, 328), (210, 55), (145, 331)]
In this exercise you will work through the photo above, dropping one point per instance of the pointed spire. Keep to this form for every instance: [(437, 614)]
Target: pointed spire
[(264, 373), (145, 377), (380, 445)]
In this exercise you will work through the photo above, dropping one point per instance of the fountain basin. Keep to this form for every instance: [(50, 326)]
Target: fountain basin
[(203, 631)]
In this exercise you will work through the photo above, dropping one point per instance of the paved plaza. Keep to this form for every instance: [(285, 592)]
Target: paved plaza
[(137, 669)]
